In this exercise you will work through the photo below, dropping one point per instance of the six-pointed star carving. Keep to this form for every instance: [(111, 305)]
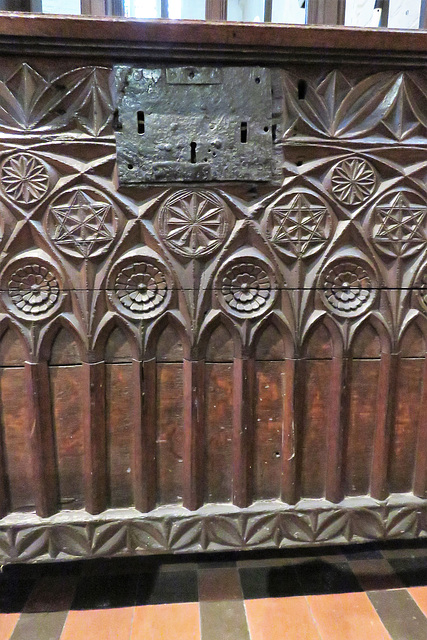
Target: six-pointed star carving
[(299, 225), (401, 231), (83, 224)]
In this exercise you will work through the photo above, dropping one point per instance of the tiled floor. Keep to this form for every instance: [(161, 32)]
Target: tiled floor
[(373, 592)]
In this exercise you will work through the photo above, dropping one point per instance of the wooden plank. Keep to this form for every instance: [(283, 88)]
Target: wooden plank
[(41, 438), (268, 430), (312, 439), (362, 417), (95, 468), (420, 478), (218, 432), (385, 410), (337, 399), (66, 384), (291, 384), (119, 393), (144, 426), (406, 418), (194, 395), (170, 432), (243, 416)]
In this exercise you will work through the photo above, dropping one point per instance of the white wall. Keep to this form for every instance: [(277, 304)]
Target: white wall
[(70, 7), (245, 10), (288, 12), (191, 9), (404, 14)]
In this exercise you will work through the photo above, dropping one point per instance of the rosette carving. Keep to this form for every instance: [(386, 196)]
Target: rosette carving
[(32, 290), (193, 223), (246, 286), (141, 288), (348, 288), (353, 181)]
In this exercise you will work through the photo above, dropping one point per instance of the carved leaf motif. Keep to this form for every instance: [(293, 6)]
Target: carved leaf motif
[(395, 102), (225, 532), (72, 540), (149, 535), (331, 525), (110, 539), (262, 530), (7, 549), (296, 527), (186, 534), (404, 522), (32, 542), (366, 524), (29, 102)]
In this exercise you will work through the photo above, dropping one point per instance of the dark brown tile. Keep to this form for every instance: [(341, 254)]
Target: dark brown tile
[(270, 582), (40, 626), (319, 577), (51, 593), (219, 584), (224, 620), (374, 575), (399, 614)]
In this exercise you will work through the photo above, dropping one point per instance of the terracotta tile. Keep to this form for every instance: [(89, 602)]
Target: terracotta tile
[(347, 615), (178, 621), (219, 584), (105, 624), (7, 624), (375, 574), (224, 620), (400, 615), (419, 594), (280, 619)]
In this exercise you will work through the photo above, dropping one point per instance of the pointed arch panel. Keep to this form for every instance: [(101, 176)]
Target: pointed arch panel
[(67, 382), (15, 424), (119, 396), (219, 416)]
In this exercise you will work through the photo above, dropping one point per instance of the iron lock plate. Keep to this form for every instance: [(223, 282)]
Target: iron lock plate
[(193, 124)]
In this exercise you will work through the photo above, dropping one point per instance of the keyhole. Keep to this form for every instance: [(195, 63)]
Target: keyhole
[(193, 146), (274, 132), (243, 132), (302, 89), (141, 122)]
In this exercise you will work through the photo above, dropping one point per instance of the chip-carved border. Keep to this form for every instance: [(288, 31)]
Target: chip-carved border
[(68, 536)]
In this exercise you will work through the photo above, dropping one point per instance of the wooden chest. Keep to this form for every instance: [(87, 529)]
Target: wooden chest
[(194, 365)]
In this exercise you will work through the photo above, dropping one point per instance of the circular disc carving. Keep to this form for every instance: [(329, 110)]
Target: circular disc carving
[(399, 227), (82, 222), (353, 181), (32, 290), (299, 224), (246, 287), (24, 178), (141, 288), (193, 223), (421, 289), (348, 288)]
